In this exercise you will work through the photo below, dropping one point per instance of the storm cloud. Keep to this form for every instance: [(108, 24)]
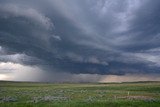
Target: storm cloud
[(73, 38)]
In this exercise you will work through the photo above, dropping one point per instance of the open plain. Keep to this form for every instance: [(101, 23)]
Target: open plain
[(27, 94)]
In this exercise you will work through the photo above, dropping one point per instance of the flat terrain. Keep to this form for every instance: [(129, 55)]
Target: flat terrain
[(23, 94)]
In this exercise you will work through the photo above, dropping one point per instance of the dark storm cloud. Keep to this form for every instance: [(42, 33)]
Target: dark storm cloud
[(86, 37)]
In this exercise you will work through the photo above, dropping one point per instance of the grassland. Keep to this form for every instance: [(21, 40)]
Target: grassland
[(23, 94)]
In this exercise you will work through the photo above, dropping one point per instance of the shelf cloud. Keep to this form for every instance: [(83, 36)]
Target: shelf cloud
[(79, 40)]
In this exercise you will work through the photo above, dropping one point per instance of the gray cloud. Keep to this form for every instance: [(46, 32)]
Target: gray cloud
[(81, 37)]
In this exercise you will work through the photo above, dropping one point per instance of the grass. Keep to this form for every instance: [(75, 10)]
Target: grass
[(25, 94)]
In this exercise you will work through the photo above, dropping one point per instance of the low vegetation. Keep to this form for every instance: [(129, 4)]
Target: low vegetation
[(23, 94)]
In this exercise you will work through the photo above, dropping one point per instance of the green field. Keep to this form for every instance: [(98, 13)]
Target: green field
[(23, 94)]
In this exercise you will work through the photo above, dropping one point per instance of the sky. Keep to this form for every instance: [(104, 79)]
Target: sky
[(80, 40)]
